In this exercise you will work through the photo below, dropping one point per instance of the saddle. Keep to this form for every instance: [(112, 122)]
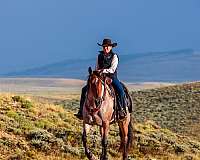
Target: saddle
[(128, 100)]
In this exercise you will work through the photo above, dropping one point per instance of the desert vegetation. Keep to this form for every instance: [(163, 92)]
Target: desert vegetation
[(165, 124), (175, 107)]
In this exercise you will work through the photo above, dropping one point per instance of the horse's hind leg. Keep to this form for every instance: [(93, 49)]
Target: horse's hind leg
[(121, 143), (123, 125), (104, 134), (86, 129)]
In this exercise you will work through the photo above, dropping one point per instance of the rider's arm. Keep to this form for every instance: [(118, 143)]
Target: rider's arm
[(113, 65)]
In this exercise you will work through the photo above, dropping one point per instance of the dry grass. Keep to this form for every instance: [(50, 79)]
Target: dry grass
[(44, 127), (176, 107)]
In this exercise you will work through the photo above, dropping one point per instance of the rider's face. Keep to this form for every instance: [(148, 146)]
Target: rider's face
[(107, 49)]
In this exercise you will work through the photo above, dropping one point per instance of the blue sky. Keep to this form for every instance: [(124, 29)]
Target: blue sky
[(37, 32)]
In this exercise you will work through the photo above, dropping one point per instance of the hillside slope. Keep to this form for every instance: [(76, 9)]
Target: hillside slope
[(175, 107), (30, 129)]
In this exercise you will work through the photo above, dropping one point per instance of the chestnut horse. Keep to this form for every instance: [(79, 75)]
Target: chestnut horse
[(98, 110)]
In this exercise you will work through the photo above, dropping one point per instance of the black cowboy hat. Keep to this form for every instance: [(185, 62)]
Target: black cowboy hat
[(107, 42)]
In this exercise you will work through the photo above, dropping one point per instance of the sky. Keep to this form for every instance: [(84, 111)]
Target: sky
[(38, 32)]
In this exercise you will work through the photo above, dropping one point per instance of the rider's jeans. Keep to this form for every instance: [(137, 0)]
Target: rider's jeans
[(119, 88)]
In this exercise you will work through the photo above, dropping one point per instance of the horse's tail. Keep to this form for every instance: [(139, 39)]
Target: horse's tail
[(130, 134)]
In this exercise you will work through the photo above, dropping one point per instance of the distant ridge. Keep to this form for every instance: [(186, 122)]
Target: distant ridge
[(169, 66)]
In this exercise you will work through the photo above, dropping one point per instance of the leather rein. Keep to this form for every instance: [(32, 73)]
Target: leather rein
[(98, 100)]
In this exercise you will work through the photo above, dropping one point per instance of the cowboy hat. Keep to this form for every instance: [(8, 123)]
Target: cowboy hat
[(107, 42)]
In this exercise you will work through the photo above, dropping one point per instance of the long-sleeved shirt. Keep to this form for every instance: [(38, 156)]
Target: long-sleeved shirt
[(113, 67)]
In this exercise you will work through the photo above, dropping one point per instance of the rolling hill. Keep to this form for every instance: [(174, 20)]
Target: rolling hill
[(170, 66), (166, 126)]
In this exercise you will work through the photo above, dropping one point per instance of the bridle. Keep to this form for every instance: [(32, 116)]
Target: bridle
[(98, 100)]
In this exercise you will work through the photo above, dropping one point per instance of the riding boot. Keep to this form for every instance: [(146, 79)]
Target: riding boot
[(83, 97), (122, 113), (122, 109)]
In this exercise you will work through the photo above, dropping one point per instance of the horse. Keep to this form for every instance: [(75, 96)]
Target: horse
[(98, 110)]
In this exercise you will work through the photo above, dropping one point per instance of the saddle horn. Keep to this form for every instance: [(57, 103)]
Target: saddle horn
[(90, 70)]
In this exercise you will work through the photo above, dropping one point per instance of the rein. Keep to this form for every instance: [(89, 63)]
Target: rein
[(98, 100), (105, 87)]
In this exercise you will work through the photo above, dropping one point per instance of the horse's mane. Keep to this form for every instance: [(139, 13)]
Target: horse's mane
[(96, 73)]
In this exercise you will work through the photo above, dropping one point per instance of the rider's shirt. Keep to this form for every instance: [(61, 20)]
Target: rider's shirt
[(108, 63)]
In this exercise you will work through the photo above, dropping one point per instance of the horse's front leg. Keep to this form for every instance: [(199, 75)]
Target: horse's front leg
[(86, 129), (104, 134)]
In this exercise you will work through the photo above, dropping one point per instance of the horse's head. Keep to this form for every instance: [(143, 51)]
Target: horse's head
[(95, 87)]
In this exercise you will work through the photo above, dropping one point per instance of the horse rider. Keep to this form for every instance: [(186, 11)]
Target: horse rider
[(107, 63)]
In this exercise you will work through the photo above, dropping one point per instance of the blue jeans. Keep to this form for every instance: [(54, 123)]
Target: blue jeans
[(119, 88)]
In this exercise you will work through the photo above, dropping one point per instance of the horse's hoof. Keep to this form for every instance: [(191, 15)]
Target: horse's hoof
[(104, 158), (126, 158), (120, 149), (93, 158)]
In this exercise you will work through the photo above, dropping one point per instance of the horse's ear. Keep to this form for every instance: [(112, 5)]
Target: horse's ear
[(90, 70)]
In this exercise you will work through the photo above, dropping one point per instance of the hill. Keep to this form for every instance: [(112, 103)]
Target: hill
[(175, 107), (169, 66), (37, 129)]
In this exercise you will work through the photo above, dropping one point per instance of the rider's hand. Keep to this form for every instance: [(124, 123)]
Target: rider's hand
[(100, 71)]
